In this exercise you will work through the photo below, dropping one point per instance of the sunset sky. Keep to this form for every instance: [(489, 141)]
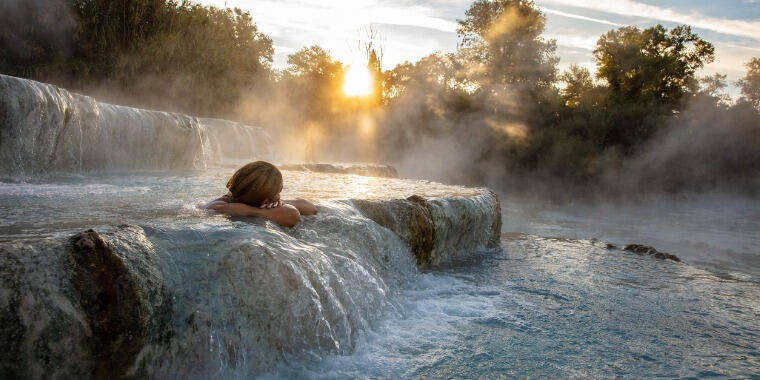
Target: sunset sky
[(411, 29)]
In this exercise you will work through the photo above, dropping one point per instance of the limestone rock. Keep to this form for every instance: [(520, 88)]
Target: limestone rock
[(80, 308), (651, 251), (437, 229)]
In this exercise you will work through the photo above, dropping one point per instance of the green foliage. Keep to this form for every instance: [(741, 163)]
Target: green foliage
[(578, 85), (750, 84), (313, 62), (108, 29), (505, 37), (207, 61), (180, 56), (654, 65), (498, 100), (35, 36), (375, 68), (712, 87), (313, 80), (649, 73)]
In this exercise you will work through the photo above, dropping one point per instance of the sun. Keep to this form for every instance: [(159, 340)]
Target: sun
[(357, 82)]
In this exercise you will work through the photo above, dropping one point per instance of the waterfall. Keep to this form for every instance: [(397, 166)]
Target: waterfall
[(123, 276), (197, 299), (46, 129)]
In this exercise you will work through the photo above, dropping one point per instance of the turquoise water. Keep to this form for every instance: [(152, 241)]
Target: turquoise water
[(339, 296), (551, 303), (547, 308)]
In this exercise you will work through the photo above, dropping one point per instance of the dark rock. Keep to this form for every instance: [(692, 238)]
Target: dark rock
[(651, 251), (611, 246), (42, 330), (437, 229), (410, 219), (122, 294), (80, 308)]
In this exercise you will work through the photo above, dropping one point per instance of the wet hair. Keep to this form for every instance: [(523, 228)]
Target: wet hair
[(254, 184)]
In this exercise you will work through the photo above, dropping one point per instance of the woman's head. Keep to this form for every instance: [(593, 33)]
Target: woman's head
[(255, 184)]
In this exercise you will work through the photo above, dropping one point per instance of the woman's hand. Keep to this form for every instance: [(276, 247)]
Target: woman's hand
[(273, 204)]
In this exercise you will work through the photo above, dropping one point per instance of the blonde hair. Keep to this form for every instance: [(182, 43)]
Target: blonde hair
[(255, 183)]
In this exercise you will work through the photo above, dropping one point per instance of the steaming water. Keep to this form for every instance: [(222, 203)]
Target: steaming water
[(245, 294), (551, 307), (716, 232), (62, 205), (339, 296), (541, 307)]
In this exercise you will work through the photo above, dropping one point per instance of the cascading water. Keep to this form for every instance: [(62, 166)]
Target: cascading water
[(46, 129), (108, 275), (214, 296), (163, 289)]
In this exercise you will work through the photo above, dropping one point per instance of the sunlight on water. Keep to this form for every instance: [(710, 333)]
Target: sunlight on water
[(64, 204), (203, 295), (341, 297)]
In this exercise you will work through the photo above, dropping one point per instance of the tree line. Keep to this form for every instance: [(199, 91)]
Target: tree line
[(497, 108), (168, 54)]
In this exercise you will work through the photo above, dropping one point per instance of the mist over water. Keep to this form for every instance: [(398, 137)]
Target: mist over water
[(550, 302), (716, 232), (340, 295)]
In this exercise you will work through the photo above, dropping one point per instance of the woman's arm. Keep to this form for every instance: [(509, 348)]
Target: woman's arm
[(285, 215), (304, 207)]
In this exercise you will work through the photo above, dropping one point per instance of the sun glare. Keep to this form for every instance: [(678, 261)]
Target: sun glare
[(357, 82)]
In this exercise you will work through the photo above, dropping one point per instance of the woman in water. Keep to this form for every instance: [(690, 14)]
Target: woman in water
[(255, 191)]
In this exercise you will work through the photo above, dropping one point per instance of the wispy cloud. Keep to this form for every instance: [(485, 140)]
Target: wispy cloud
[(741, 28), (341, 14), (578, 17), (578, 41), (337, 25), (411, 29)]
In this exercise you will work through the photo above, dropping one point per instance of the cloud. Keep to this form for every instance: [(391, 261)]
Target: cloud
[(340, 14), (579, 17), (731, 59), (741, 28), (574, 40), (336, 25)]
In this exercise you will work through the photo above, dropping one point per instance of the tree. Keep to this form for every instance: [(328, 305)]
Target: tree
[(313, 62), (314, 78), (578, 82), (375, 68), (36, 36), (505, 37), (651, 66), (509, 68), (712, 87), (148, 53), (648, 72), (204, 57), (750, 84)]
